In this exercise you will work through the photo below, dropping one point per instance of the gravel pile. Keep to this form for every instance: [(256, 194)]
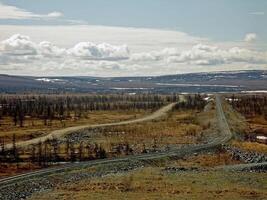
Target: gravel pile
[(260, 168), (109, 169), (180, 169), (245, 156), (23, 189), (84, 135)]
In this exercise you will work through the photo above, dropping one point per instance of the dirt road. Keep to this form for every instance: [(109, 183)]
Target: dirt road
[(62, 132)]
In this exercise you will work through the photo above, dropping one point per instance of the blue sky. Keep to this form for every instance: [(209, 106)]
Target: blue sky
[(216, 19), (176, 25)]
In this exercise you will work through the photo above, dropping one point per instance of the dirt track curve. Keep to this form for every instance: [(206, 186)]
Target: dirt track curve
[(62, 132)]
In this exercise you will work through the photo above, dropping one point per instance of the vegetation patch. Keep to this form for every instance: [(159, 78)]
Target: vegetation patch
[(188, 185)]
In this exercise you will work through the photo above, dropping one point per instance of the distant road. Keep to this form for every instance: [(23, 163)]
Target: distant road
[(62, 132), (225, 136)]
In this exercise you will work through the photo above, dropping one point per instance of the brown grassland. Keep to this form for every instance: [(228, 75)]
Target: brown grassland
[(154, 183), (178, 128), (206, 160)]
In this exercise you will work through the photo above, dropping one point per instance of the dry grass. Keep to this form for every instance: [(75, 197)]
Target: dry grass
[(251, 146), (152, 183), (178, 128), (12, 169), (236, 121), (206, 160), (258, 119)]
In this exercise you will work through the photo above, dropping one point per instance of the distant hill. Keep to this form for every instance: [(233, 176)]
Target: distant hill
[(234, 81)]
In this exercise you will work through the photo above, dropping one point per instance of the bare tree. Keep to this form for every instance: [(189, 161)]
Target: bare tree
[(72, 152), (2, 147), (33, 154), (67, 148), (81, 151), (40, 153), (55, 149), (15, 153)]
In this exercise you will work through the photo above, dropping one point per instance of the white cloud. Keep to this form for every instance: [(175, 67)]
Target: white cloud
[(89, 50), (18, 45), (55, 14), (155, 55), (48, 49), (204, 55), (250, 37), (138, 39), (211, 55), (173, 53), (12, 12), (257, 13)]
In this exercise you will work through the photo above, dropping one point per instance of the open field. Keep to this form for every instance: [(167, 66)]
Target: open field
[(206, 160), (178, 128), (156, 183)]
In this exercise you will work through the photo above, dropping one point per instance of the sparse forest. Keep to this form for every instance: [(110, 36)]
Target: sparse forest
[(250, 105), (49, 108)]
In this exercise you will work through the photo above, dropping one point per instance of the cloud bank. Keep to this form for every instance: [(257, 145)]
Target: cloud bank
[(12, 12), (257, 13), (20, 53), (201, 54), (21, 45)]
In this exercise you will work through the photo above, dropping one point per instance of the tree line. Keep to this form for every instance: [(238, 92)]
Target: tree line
[(250, 105), (192, 102), (51, 151)]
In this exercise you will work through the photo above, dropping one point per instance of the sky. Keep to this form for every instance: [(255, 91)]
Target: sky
[(126, 38)]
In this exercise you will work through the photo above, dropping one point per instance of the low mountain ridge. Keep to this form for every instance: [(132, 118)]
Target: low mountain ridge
[(232, 81)]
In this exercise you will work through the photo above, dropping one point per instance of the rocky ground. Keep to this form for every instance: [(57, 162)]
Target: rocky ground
[(245, 156), (24, 189)]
